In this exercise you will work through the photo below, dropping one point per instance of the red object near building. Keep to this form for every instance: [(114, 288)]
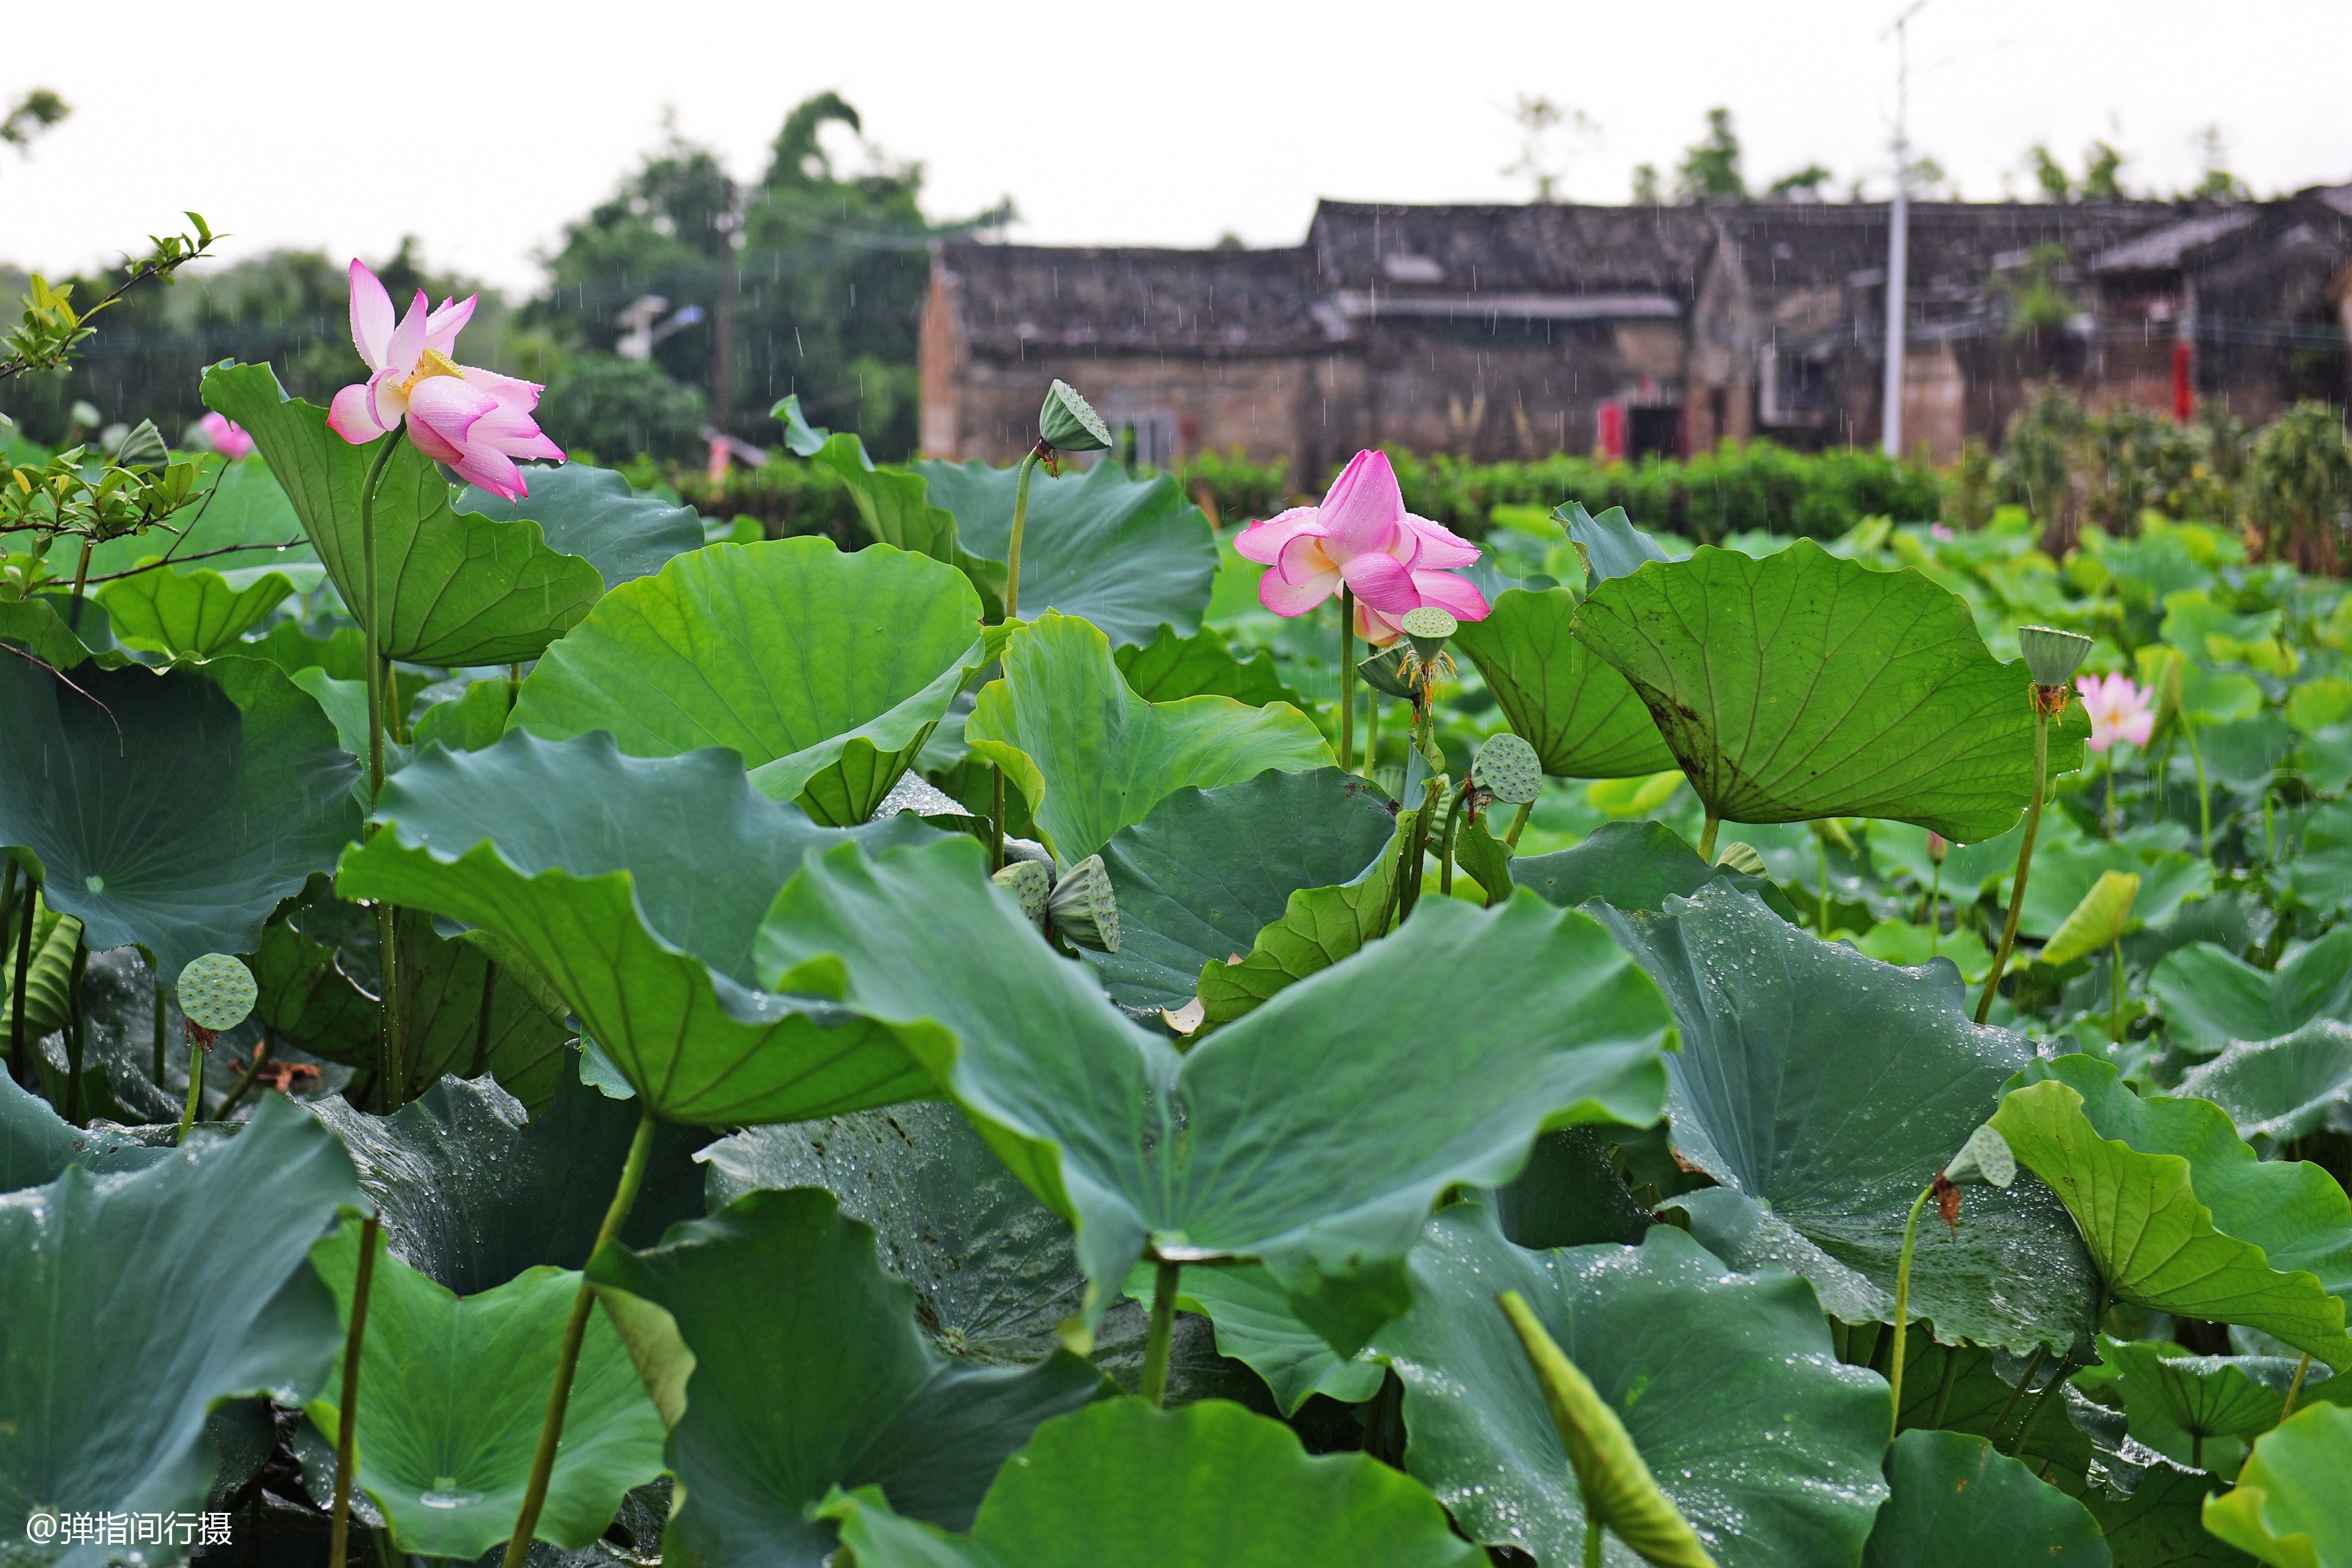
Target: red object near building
[(1612, 436), (2184, 395)]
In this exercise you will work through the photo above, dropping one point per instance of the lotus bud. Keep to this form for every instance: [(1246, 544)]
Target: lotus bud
[(1507, 768), (1427, 628), (1741, 858), (1985, 1158), (216, 993), (1937, 846), (1069, 423), (2052, 656), (1029, 882), (1083, 908)]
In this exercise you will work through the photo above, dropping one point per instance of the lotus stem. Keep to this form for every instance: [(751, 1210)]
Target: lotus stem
[(1592, 1532), (347, 1418), (1903, 1307), (388, 1066), (1347, 680), (1944, 1390), (1822, 857), (2115, 1019), (1154, 1386), (1446, 845), (2110, 823), (19, 1062), (2033, 1413), (482, 1021), (195, 1088), (1706, 835), (514, 685), (1019, 520), (2032, 1366), (1518, 825), (2024, 856), (1936, 910), (1372, 728), (2294, 1387), (163, 1010), (260, 1058), (996, 822), (575, 1330), (75, 1028), (2204, 794), (391, 1086), (81, 581)]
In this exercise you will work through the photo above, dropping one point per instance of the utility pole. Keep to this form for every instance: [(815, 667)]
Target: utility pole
[(1899, 238)]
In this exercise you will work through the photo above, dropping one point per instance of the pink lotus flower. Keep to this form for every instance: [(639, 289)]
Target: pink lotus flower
[(2120, 710), (477, 421), (228, 438), (1362, 538)]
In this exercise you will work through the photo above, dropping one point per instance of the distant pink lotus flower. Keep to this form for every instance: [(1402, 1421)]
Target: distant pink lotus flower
[(1938, 532), (477, 421), (1362, 538), (715, 470), (2120, 710), (228, 438)]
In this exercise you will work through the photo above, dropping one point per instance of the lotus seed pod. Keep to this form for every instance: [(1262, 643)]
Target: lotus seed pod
[(1069, 423), (217, 991), (1985, 1158), (1429, 626), (1741, 858), (1508, 768), (2052, 656), (1029, 882), (1083, 909)]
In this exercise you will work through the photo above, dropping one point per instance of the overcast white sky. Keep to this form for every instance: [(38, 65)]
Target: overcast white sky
[(481, 127)]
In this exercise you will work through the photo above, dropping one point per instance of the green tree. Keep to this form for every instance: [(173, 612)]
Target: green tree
[(1645, 186), (1810, 178), (1710, 167), (33, 114)]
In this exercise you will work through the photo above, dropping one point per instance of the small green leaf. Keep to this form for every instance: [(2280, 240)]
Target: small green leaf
[(1317, 928), (2067, 872), (196, 612), (593, 514), (2288, 1506), (48, 978), (1630, 865), (1581, 717), (2205, 1396), (2100, 919), (452, 1393), (1170, 669), (1092, 757)]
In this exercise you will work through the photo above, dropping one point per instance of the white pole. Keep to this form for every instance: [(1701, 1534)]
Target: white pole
[(1898, 244)]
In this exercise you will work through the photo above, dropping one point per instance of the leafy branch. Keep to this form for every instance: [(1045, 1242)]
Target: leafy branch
[(51, 329)]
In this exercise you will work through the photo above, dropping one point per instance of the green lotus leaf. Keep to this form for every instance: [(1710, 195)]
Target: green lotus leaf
[(196, 612), (2179, 1214), (635, 885), (1630, 865), (827, 671), (1208, 1486), (1128, 554), (787, 1364), (49, 976), (131, 1304), (36, 1145), (2160, 1525), (1823, 1089), (452, 1393), (1567, 701), (1957, 1503), (1255, 1325), (2100, 919), (1169, 668), (1725, 1383), (1609, 546), (2282, 1089), (1091, 756), (458, 589), (472, 1193), (1198, 877), (895, 505), (1319, 1155), (2321, 873), (1317, 928), (181, 812), (2065, 873), (2211, 997), (992, 1267), (593, 514), (474, 717), (285, 644), (2288, 1506), (1802, 686), (2203, 1396)]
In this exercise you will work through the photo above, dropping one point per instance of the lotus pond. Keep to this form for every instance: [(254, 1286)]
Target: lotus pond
[(543, 1030)]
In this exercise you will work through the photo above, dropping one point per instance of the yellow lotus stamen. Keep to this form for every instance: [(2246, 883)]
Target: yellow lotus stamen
[(432, 362)]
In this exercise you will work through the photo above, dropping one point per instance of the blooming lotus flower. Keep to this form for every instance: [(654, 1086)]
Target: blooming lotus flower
[(2120, 709), (477, 421), (227, 438), (1362, 538)]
